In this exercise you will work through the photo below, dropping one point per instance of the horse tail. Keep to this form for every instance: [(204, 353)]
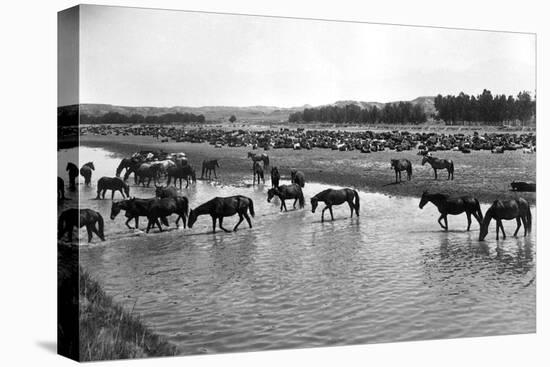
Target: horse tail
[(301, 199), (251, 207), (356, 194), (478, 210), (100, 225)]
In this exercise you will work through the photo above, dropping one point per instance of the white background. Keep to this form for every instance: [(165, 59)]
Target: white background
[(28, 142)]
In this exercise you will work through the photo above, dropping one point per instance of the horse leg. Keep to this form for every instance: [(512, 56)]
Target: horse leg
[(351, 208), (435, 173), (89, 230), (446, 224), (518, 221), (330, 210), (157, 222), (439, 221), (216, 177), (94, 229), (128, 221), (137, 221), (524, 221), (240, 220), (323, 214), (247, 219), (221, 225), (113, 194), (499, 224), (148, 225), (396, 176), (469, 216), (213, 224), (294, 204)]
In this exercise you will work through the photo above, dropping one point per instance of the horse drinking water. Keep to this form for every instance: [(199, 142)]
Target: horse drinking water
[(79, 218), (517, 209), (113, 184), (285, 192), (453, 206), (219, 207), (437, 163), (336, 197), (399, 165)]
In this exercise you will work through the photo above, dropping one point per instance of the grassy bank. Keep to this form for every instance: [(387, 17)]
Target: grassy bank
[(107, 331), (482, 174)]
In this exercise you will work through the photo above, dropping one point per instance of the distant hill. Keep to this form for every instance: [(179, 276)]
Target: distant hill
[(220, 113)]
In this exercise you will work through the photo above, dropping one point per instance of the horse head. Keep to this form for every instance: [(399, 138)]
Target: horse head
[(91, 165), (423, 199), (271, 193), (115, 209), (314, 203), (424, 159), (192, 218)]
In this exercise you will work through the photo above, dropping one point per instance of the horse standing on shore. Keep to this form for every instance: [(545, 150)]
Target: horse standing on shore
[(336, 197), (399, 165), (298, 177), (86, 172), (180, 173), (517, 209), (208, 167), (285, 192), (453, 206), (275, 177), (60, 188), (79, 218), (219, 207), (259, 158), (113, 184), (134, 209), (73, 174), (438, 163), (258, 172)]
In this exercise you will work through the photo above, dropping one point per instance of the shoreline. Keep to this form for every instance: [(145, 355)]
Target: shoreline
[(367, 172)]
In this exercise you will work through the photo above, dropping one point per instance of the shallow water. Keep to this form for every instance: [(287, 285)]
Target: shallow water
[(292, 281)]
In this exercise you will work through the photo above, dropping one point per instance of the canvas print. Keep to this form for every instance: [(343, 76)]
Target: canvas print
[(232, 183)]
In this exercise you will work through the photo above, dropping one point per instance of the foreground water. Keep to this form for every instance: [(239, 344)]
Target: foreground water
[(292, 281)]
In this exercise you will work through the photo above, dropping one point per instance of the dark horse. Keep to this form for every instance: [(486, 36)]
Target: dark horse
[(72, 218), (113, 184), (86, 172), (336, 197), (275, 177), (60, 188), (131, 167), (259, 157), (517, 209), (128, 163), (208, 167), (285, 192), (73, 174), (218, 208), (180, 173), (147, 171), (453, 206), (134, 209), (258, 172), (437, 163), (165, 192), (161, 208), (399, 165), (298, 177)]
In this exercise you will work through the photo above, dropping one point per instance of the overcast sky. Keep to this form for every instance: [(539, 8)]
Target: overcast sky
[(150, 57)]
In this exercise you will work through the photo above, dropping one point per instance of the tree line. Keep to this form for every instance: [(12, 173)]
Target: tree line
[(391, 113), (119, 118), (485, 108)]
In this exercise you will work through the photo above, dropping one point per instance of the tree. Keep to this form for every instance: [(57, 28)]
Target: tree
[(232, 118)]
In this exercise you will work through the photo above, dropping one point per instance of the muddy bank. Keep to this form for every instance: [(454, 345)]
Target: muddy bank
[(482, 174)]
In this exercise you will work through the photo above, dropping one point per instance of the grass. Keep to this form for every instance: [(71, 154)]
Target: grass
[(107, 331)]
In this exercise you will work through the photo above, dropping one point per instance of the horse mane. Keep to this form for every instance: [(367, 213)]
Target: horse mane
[(322, 194)]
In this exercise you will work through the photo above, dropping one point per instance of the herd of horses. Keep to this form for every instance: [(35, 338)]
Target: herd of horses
[(167, 200)]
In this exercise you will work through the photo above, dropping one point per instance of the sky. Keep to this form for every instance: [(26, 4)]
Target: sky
[(146, 57)]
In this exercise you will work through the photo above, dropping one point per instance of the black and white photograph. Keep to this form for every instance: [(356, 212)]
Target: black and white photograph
[(236, 183)]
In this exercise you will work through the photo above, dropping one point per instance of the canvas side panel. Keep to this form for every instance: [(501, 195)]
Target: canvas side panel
[(67, 172)]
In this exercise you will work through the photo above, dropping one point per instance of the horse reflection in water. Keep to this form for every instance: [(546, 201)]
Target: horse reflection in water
[(453, 206), (336, 197), (79, 218), (219, 207), (517, 209)]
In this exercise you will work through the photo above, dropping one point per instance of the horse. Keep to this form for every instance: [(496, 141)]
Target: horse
[(208, 167), (134, 209), (336, 197), (259, 157), (149, 171), (275, 177), (219, 207), (399, 165), (284, 192), (113, 184), (131, 167), (179, 173), (86, 172), (60, 188), (258, 172), (165, 192), (127, 163), (453, 206), (79, 218), (161, 208), (437, 163), (164, 165), (298, 177), (73, 174), (517, 209)]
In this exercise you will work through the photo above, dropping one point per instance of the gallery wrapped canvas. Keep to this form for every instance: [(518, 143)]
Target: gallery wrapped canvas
[(231, 183)]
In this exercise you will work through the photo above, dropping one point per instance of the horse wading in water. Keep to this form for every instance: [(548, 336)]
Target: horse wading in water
[(336, 197), (258, 172), (86, 172), (180, 173), (73, 174), (134, 208), (517, 209), (298, 177), (275, 177), (219, 208), (208, 167), (285, 192), (453, 206), (437, 163), (399, 165), (79, 218), (113, 184)]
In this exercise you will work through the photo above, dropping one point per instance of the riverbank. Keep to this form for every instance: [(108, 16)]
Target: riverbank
[(108, 332), (482, 174)]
